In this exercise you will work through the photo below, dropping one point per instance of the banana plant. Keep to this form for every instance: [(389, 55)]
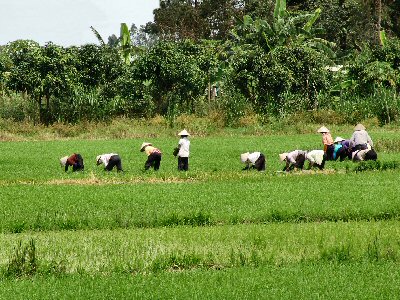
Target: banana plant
[(98, 36), (284, 30), (125, 43)]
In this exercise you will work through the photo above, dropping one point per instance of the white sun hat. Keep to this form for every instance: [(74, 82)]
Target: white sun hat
[(244, 157), (63, 161), (282, 156), (184, 132), (359, 126), (144, 145), (339, 139), (323, 129)]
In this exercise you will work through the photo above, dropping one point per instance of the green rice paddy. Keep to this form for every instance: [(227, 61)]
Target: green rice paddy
[(213, 232)]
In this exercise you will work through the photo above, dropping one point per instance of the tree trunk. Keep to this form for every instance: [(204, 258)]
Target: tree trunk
[(41, 113), (378, 18), (47, 110)]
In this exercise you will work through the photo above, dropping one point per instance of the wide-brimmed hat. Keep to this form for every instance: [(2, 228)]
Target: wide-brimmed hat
[(63, 161), (282, 156), (144, 145), (339, 139), (323, 129), (184, 132), (244, 157), (359, 126)]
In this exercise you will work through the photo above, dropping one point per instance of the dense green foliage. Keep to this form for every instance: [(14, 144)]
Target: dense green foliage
[(271, 58)]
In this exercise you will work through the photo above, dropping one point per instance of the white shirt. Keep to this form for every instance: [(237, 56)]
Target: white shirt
[(315, 156), (184, 145), (105, 158), (253, 157)]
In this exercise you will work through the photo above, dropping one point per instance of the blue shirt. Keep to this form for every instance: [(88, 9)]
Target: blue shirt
[(337, 147)]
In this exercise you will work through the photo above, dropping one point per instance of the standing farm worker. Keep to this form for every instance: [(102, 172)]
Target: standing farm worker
[(254, 160), (153, 156), (110, 161), (294, 160), (360, 138), (75, 160), (316, 158), (183, 151), (327, 140), (340, 150)]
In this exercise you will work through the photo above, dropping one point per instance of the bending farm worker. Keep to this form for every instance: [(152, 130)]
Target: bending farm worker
[(254, 160), (75, 160), (327, 140), (316, 158), (153, 156), (182, 151), (340, 149), (110, 161), (293, 160), (346, 146), (365, 154)]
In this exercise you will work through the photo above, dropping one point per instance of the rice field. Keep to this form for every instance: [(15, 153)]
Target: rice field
[(213, 232)]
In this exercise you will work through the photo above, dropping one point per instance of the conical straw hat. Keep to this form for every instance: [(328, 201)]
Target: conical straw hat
[(144, 145), (63, 161), (184, 132), (282, 156), (244, 157), (323, 129), (338, 139), (359, 126)]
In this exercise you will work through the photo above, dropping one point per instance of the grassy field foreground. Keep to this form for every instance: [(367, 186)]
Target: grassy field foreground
[(213, 232), (299, 281)]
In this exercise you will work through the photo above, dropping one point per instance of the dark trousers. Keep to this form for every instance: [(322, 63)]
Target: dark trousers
[(115, 160), (260, 163), (342, 154), (359, 147), (183, 163), (79, 166), (153, 160), (329, 152), (299, 164)]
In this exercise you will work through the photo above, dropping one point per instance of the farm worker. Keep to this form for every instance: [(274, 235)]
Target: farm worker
[(340, 150), (75, 160), (110, 161), (365, 154), (316, 158), (360, 138), (153, 156), (347, 147), (254, 160), (327, 140), (182, 150), (294, 159)]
